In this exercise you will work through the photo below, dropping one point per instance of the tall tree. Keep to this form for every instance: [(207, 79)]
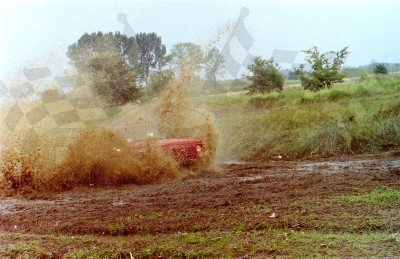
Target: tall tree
[(186, 59), (110, 60), (112, 79), (127, 61), (214, 62), (144, 52), (89, 45), (151, 56)]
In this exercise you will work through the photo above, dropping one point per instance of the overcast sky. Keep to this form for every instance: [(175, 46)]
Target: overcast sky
[(35, 30)]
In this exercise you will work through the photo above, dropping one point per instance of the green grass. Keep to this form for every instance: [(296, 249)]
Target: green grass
[(118, 229), (210, 244), (194, 238), (382, 197), (359, 117)]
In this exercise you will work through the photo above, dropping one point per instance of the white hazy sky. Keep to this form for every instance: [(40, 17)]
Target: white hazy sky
[(31, 30)]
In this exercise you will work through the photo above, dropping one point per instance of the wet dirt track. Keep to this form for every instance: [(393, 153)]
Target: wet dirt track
[(245, 193)]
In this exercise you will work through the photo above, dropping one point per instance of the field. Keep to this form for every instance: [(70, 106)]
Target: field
[(297, 174), (291, 209), (352, 118)]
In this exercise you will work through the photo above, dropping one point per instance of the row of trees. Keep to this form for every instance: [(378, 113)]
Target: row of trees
[(325, 70), (119, 65)]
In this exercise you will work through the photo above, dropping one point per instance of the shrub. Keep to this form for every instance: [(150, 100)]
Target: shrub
[(380, 69), (265, 76), (324, 71)]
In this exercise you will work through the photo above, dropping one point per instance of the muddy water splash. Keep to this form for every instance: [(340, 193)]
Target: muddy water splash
[(76, 156), (95, 158), (104, 157), (23, 165), (178, 118)]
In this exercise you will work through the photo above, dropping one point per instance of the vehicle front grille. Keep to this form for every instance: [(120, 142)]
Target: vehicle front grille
[(191, 150)]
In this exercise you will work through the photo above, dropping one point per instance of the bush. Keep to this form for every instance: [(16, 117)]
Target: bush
[(324, 72), (266, 76), (380, 69)]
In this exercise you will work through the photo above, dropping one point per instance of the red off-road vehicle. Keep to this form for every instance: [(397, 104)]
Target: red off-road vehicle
[(183, 150)]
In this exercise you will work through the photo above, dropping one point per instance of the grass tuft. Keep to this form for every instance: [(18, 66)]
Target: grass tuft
[(381, 197)]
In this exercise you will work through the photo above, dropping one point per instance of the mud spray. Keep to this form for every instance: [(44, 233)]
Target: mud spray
[(99, 154)]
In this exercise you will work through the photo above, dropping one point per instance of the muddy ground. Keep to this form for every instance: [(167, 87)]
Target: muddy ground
[(273, 195)]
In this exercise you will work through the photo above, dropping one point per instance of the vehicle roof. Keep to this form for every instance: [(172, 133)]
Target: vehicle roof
[(179, 141), (174, 141)]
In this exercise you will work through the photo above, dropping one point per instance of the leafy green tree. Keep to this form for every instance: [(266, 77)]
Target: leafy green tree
[(112, 79), (187, 59), (325, 69), (144, 52), (151, 56), (265, 76), (213, 63), (89, 45), (380, 69)]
